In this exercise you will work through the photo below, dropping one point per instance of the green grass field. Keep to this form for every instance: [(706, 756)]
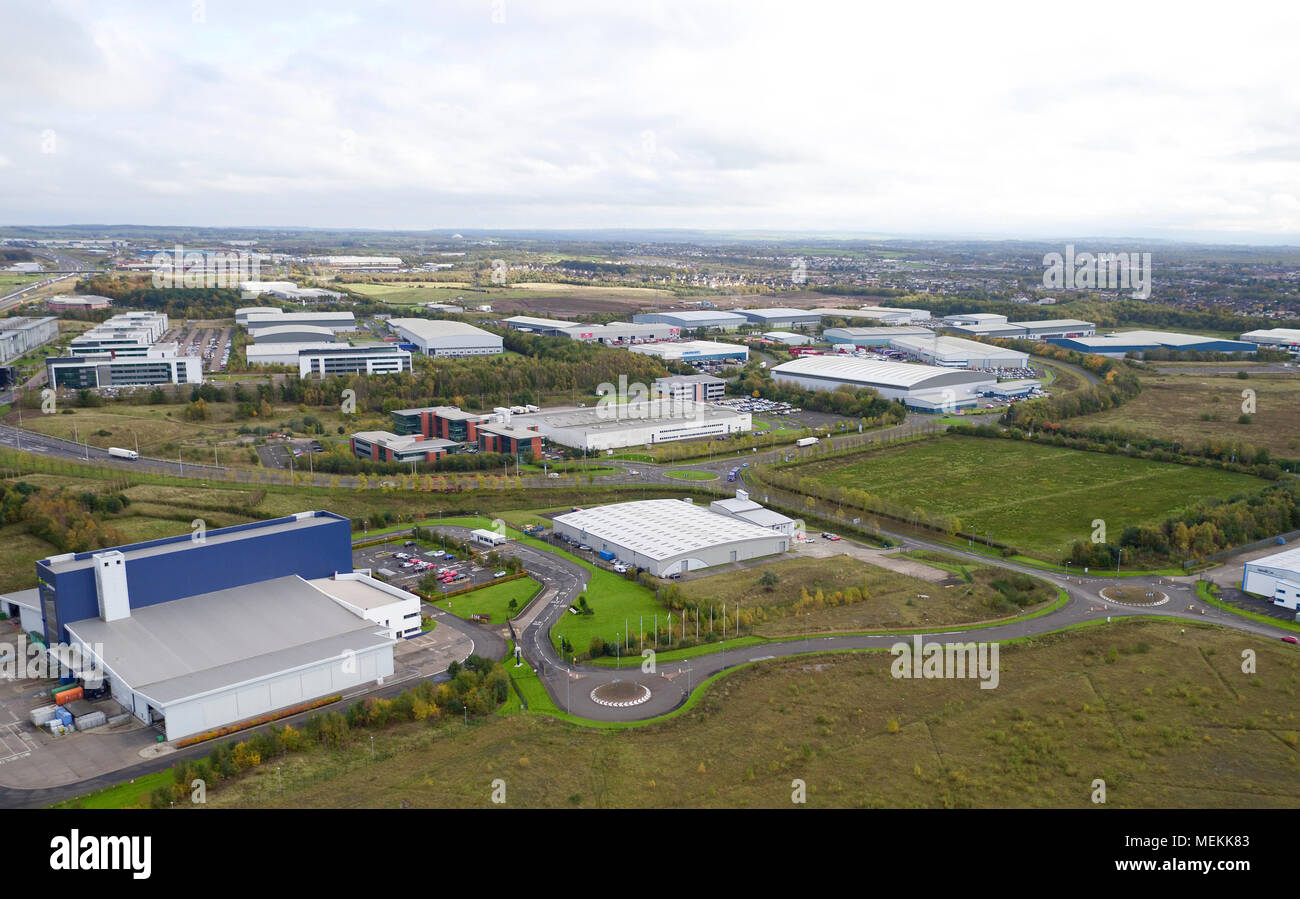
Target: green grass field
[(493, 600), (687, 474), (1166, 718), (894, 601), (1194, 408), (134, 794), (1037, 498)]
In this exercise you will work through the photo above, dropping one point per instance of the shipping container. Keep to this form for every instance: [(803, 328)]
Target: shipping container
[(43, 715), (607, 555), (64, 716), (68, 695), (95, 719)]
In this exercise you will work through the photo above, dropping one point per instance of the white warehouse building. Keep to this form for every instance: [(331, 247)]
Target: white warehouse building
[(957, 352), (658, 420), (446, 338), (669, 536), (1275, 577), (926, 388)]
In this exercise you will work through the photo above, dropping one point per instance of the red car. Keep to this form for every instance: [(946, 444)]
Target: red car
[(1290, 639)]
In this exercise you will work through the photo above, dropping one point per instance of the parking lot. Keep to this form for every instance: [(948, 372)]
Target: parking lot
[(32, 757), (406, 566), (212, 343)]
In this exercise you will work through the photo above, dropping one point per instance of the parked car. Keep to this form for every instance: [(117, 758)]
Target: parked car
[(501, 573), (620, 568)]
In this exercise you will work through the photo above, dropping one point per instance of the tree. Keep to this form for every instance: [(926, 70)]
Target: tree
[(769, 580)]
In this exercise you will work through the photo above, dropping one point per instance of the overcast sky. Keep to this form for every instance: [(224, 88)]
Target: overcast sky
[(1029, 119)]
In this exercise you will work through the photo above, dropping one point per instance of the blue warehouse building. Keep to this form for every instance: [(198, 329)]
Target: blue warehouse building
[(196, 632), (1123, 343)]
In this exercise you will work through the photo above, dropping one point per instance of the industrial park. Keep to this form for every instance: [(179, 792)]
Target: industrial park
[(480, 408)]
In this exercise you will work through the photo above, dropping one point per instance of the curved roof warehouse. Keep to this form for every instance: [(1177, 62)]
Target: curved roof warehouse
[(668, 536)]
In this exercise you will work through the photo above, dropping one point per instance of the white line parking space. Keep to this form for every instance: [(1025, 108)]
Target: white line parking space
[(12, 744)]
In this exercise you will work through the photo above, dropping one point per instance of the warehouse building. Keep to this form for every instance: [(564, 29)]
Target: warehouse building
[(275, 626), (669, 536), (782, 318), (867, 314), (696, 388), (914, 315), (987, 330), (694, 351), (366, 359), (871, 337), (383, 446), (76, 302), (20, 334), (294, 334), (694, 319), (635, 424), (975, 318), (282, 353), (446, 339), (255, 318), (922, 387), (358, 263), (548, 327), (1275, 577), (158, 365), (394, 610), (1122, 343), (1276, 338), (788, 338), (1056, 327), (955, 352), (624, 333), (745, 509)]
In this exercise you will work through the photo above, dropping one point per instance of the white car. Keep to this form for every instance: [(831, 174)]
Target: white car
[(620, 568)]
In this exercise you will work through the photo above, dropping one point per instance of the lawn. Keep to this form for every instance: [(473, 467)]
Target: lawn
[(1037, 498), (616, 603), (134, 794), (1166, 717), (1197, 408), (493, 600), (894, 600), (686, 474)]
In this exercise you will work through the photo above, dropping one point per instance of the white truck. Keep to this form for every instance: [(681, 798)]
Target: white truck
[(123, 453), (805, 441)]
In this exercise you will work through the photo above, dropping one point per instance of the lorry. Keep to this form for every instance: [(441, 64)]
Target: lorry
[(119, 453), (805, 441)]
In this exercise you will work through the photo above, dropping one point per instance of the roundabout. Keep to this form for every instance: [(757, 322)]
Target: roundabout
[(1134, 596), (620, 694)]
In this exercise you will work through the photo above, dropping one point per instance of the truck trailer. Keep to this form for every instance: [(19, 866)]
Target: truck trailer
[(805, 441), (120, 453)]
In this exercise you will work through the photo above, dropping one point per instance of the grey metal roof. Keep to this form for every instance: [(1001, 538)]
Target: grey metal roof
[(176, 650)]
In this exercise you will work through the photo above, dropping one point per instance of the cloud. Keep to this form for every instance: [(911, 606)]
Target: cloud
[(508, 113)]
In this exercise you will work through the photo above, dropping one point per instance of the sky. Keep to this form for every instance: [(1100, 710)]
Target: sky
[(1173, 120)]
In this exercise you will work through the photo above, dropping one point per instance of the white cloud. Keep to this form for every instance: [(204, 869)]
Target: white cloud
[(1020, 118)]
